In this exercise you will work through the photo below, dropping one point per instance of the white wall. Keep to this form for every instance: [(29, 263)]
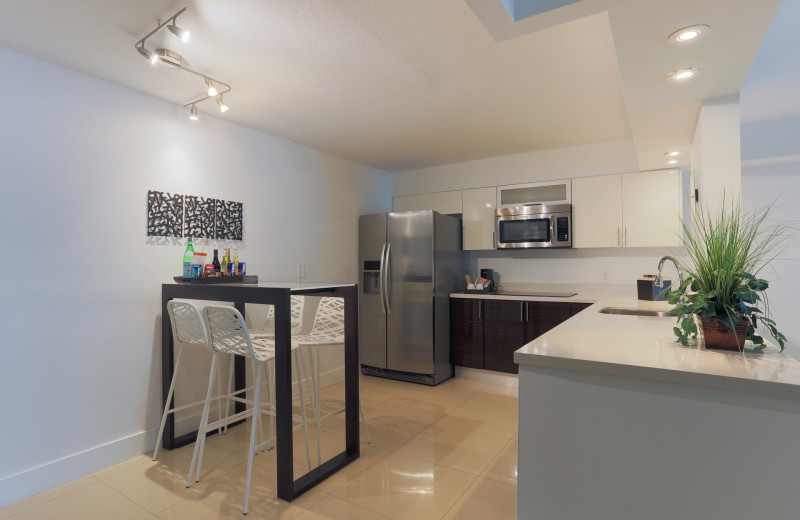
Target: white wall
[(716, 156), (562, 163), (771, 173), (80, 356), (612, 266)]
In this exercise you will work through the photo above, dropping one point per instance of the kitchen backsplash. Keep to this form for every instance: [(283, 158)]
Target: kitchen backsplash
[(578, 266)]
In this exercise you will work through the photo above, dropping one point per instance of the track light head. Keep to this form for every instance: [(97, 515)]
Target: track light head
[(144, 52), (180, 33), (222, 106), (212, 89), (193, 113)]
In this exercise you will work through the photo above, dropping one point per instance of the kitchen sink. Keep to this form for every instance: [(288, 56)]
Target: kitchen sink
[(636, 312)]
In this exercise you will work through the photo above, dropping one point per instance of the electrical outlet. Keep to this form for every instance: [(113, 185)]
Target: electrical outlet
[(301, 270), (604, 276)]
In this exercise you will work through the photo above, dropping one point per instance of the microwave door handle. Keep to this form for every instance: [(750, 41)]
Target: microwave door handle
[(386, 278), (380, 279)]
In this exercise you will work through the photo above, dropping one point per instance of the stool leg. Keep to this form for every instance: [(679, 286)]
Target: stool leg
[(253, 429), (271, 388), (231, 362), (297, 362), (201, 431), (363, 420), (169, 401), (318, 409)]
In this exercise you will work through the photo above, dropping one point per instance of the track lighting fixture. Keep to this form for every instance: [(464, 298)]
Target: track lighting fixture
[(214, 87), (180, 33)]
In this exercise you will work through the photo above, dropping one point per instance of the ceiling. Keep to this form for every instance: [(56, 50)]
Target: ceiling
[(414, 83)]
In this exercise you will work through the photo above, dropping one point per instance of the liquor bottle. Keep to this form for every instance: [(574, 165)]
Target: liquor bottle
[(216, 263), (228, 260), (235, 262), (225, 260), (187, 259)]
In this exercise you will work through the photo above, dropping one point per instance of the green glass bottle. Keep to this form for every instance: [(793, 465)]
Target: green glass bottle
[(187, 259)]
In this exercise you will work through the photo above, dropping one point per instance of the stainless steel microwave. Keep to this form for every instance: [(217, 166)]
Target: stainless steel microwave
[(533, 225)]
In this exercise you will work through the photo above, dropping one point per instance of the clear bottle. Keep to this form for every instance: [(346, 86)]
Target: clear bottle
[(198, 260), (225, 260), (235, 262), (187, 259), (229, 261)]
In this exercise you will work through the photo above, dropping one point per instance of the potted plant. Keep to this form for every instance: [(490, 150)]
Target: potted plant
[(722, 288)]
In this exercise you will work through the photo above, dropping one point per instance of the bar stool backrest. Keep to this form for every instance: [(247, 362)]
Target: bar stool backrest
[(229, 333), (302, 314), (329, 319), (187, 323)]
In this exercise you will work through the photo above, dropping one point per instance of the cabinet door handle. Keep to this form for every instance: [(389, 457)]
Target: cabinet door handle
[(521, 306), (619, 236), (625, 236), (480, 304), (527, 311)]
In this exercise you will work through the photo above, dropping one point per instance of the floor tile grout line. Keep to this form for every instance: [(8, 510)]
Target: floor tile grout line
[(50, 499)]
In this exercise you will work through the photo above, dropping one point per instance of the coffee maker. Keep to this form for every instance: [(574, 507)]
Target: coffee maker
[(489, 275)]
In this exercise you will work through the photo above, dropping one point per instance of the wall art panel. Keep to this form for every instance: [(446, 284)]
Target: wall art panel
[(229, 220), (199, 217), (164, 214)]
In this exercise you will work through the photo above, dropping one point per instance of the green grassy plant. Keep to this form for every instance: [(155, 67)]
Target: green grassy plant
[(727, 251)]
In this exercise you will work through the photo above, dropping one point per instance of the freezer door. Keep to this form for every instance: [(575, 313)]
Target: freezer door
[(371, 313), (409, 344)]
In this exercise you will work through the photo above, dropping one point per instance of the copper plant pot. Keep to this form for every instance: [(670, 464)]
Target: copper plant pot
[(719, 336)]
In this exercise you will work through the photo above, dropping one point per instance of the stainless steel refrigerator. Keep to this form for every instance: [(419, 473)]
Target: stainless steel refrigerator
[(409, 263)]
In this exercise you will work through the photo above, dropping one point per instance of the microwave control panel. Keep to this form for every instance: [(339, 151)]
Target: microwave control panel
[(562, 229)]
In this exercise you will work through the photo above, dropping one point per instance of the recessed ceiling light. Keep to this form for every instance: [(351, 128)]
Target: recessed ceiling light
[(193, 113), (689, 34), (673, 153), (672, 161), (682, 74)]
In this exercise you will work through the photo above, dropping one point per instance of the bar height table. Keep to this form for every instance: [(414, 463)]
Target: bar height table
[(277, 294)]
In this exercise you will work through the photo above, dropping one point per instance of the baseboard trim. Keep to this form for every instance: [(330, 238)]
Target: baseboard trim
[(487, 376), (46, 476)]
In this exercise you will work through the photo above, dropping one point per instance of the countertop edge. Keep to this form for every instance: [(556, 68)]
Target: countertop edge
[(663, 375)]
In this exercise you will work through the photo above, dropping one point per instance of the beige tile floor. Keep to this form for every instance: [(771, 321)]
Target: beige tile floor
[(445, 452)]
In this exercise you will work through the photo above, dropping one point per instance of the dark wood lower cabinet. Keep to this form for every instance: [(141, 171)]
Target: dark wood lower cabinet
[(485, 333), (504, 332), (543, 316), (466, 332)]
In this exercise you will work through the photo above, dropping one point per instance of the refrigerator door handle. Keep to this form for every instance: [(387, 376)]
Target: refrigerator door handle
[(386, 279), (380, 279)]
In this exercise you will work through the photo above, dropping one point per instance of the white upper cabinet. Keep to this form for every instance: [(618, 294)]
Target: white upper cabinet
[(477, 219), (651, 209), (597, 211), (627, 210), (446, 202)]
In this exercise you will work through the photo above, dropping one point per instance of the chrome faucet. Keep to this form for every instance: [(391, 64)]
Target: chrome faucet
[(660, 279)]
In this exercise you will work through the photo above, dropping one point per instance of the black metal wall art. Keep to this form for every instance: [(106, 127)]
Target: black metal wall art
[(199, 218), (171, 215), (164, 214), (229, 220)]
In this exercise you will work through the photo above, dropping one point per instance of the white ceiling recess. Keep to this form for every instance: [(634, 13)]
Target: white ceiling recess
[(404, 85)]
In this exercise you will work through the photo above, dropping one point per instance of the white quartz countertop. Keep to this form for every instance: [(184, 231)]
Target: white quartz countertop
[(642, 347)]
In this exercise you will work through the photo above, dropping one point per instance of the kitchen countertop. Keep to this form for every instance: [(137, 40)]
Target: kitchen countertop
[(642, 347)]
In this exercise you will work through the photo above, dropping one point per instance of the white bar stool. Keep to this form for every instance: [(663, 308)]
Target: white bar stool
[(188, 328), (228, 334)]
